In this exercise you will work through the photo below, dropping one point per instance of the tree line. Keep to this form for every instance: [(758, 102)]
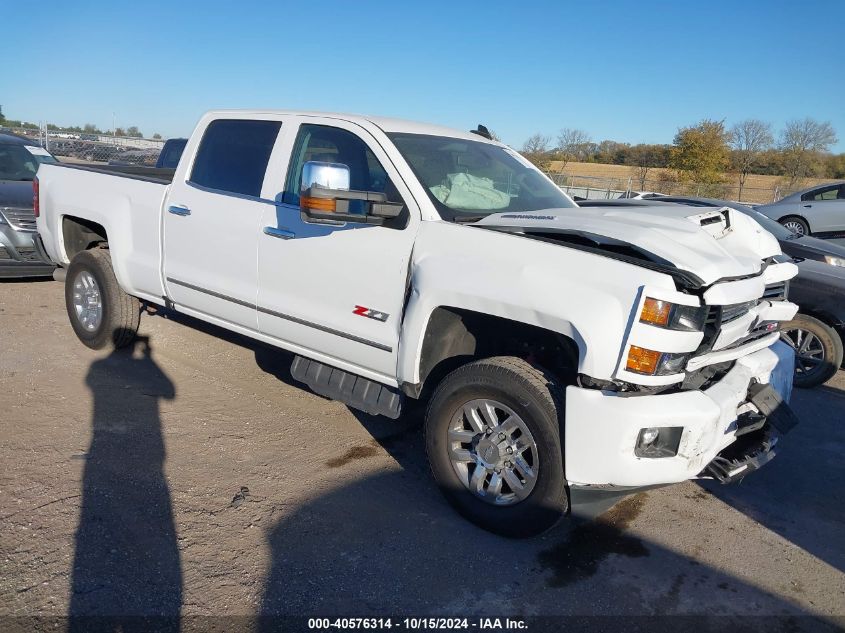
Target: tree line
[(707, 152), (88, 128)]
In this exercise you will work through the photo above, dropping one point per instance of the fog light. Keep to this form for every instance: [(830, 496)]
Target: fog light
[(647, 436), (654, 442)]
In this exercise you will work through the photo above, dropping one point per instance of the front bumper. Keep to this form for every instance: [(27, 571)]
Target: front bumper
[(22, 254), (602, 427)]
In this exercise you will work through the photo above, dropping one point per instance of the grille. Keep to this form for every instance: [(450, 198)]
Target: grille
[(19, 219), (775, 292), (719, 315), (28, 254), (736, 310)]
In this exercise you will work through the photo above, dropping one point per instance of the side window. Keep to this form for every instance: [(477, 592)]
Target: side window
[(334, 145), (825, 193), (233, 155)]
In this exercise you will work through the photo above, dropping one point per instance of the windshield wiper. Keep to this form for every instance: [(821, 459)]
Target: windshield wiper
[(468, 219)]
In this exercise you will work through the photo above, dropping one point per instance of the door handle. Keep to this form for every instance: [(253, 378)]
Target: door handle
[(808, 206), (178, 209), (283, 234)]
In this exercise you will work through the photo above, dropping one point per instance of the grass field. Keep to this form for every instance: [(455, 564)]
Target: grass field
[(758, 188)]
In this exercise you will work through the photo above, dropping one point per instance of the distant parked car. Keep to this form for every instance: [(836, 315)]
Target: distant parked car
[(818, 330), (20, 253), (640, 195), (97, 152), (171, 153), (818, 211), (146, 157)]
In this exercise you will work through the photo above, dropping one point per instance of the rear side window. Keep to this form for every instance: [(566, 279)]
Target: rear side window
[(825, 193), (233, 155)]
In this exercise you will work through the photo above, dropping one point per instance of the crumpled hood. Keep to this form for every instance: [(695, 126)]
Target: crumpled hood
[(710, 243)]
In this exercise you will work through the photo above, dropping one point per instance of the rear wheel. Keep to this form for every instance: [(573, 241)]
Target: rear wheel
[(101, 313), (795, 224), (493, 431), (818, 349)]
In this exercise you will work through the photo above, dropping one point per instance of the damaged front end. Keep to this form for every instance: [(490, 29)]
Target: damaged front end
[(757, 432)]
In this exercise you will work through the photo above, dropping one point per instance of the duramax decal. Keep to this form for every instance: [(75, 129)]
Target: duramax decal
[(525, 216)]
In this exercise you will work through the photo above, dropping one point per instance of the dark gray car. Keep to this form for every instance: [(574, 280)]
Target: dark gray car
[(19, 252), (818, 211)]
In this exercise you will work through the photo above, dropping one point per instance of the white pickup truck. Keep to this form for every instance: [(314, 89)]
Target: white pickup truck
[(566, 354)]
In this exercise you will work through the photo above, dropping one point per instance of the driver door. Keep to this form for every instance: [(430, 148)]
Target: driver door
[(336, 291)]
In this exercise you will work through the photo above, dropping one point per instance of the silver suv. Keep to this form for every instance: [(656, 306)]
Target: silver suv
[(21, 254)]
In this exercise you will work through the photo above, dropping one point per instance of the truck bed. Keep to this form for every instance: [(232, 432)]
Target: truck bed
[(160, 175), (126, 205)]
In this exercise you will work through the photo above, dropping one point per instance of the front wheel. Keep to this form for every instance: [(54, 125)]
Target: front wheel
[(818, 349), (101, 313), (795, 224), (493, 438)]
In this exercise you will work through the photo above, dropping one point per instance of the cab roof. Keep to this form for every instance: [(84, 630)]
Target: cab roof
[(386, 124)]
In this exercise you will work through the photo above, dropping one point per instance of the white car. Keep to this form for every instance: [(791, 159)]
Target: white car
[(568, 355), (640, 195)]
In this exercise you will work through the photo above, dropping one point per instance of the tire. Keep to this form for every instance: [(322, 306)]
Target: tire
[(120, 313), (818, 350), (537, 400), (796, 224)]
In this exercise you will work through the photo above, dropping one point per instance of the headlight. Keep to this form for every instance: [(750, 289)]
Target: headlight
[(673, 316), (835, 261), (652, 363)]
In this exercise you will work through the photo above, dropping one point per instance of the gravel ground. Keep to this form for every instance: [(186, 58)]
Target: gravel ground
[(192, 476)]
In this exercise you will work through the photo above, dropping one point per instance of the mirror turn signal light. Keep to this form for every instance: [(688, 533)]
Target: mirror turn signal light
[(318, 204)]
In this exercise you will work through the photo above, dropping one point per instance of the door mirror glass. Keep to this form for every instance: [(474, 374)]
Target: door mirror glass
[(325, 175)]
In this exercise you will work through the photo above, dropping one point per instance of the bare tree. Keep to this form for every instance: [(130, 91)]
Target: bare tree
[(572, 144), (801, 141), (642, 158), (748, 139), (536, 149)]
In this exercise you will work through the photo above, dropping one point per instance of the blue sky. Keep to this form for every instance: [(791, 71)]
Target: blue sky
[(630, 71)]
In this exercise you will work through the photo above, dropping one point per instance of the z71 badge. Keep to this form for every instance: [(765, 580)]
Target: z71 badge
[(370, 313)]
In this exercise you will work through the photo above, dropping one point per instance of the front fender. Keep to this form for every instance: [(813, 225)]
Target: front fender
[(584, 296)]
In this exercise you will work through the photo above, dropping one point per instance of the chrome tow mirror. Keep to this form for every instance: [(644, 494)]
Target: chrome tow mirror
[(325, 196)]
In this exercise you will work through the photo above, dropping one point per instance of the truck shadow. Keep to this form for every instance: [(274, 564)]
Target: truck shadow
[(386, 545), (800, 495), (126, 571)]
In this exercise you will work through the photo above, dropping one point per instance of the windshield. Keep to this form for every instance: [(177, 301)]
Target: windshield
[(20, 162), (467, 179)]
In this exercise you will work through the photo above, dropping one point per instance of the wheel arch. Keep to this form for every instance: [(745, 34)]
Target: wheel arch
[(824, 316), (79, 234), (454, 336)]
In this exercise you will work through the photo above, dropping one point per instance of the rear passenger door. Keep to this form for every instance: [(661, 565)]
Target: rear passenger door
[(825, 209), (211, 221)]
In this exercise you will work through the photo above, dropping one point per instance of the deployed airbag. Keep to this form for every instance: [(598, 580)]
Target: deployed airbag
[(470, 192)]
